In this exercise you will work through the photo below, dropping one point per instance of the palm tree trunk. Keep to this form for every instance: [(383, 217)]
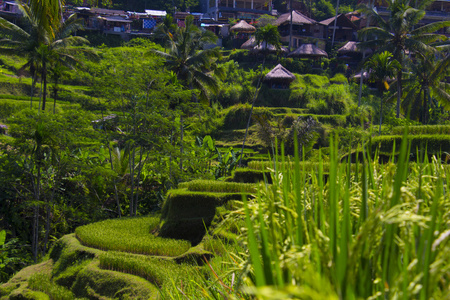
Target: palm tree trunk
[(131, 162), (33, 82), (55, 95), (251, 110), (335, 22), (290, 27), (425, 107), (381, 113), (44, 78), (181, 141), (399, 89)]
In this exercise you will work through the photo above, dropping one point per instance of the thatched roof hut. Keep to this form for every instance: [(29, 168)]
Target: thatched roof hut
[(297, 19), (268, 47), (249, 44), (351, 48), (308, 51), (279, 77), (243, 27), (365, 76)]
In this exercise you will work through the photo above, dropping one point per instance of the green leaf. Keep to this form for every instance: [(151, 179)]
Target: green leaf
[(2, 237)]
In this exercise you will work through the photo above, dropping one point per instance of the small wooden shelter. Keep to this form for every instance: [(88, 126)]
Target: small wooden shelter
[(249, 44), (308, 51), (279, 78), (352, 48), (264, 47), (243, 27)]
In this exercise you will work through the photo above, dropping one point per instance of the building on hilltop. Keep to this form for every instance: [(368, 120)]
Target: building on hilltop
[(304, 29), (345, 29), (250, 10), (9, 10)]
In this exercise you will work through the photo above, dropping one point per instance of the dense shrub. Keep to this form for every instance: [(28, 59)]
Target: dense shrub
[(236, 117), (434, 144), (186, 215), (422, 129)]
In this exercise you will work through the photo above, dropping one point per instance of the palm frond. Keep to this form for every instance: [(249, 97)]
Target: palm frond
[(430, 28)]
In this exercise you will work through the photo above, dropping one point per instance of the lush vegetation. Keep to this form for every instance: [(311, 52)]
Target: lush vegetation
[(231, 189)]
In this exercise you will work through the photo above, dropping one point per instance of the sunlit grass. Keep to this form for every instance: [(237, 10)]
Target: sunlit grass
[(218, 186), (156, 270), (130, 235)]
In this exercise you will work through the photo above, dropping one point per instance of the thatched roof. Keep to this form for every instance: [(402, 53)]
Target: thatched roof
[(297, 19), (243, 26), (308, 51), (342, 21), (358, 75), (268, 47), (280, 73), (351, 47), (249, 44)]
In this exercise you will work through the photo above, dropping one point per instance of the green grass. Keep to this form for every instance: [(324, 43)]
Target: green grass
[(130, 235), (376, 230), (157, 271), (43, 283), (218, 186)]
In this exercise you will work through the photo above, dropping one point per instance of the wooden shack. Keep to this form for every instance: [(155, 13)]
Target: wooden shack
[(279, 78)]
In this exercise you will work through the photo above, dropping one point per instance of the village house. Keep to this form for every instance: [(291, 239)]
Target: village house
[(249, 10), (304, 29)]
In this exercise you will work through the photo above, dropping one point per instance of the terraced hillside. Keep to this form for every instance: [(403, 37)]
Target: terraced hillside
[(129, 259)]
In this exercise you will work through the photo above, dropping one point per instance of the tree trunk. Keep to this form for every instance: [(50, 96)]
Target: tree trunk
[(35, 235), (55, 95), (251, 110), (425, 107), (181, 142), (290, 27), (399, 89), (131, 162), (33, 82), (44, 78), (335, 22), (381, 113)]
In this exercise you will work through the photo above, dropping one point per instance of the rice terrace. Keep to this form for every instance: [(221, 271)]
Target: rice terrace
[(225, 149)]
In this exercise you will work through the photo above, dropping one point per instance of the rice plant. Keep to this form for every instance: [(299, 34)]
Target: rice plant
[(218, 186), (130, 235), (375, 231), (42, 282), (157, 271)]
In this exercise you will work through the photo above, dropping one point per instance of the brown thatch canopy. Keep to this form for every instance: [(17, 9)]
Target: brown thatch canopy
[(280, 73), (342, 22), (351, 48), (308, 51), (244, 27), (365, 75), (297, 19), (249, 44), (267, 47)]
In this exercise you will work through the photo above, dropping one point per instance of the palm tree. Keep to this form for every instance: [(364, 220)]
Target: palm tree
[(24, 42), (267, 35), (427, 81), (60, 51), (400, 33), (191, 64), (381, 67), (42, 45)]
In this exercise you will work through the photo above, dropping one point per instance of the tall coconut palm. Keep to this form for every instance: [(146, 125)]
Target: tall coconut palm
[(381, 67), (267, 35), (42, 45), (401, 33), (24, 42), (60, 49), (192, 64), (426, 82)]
